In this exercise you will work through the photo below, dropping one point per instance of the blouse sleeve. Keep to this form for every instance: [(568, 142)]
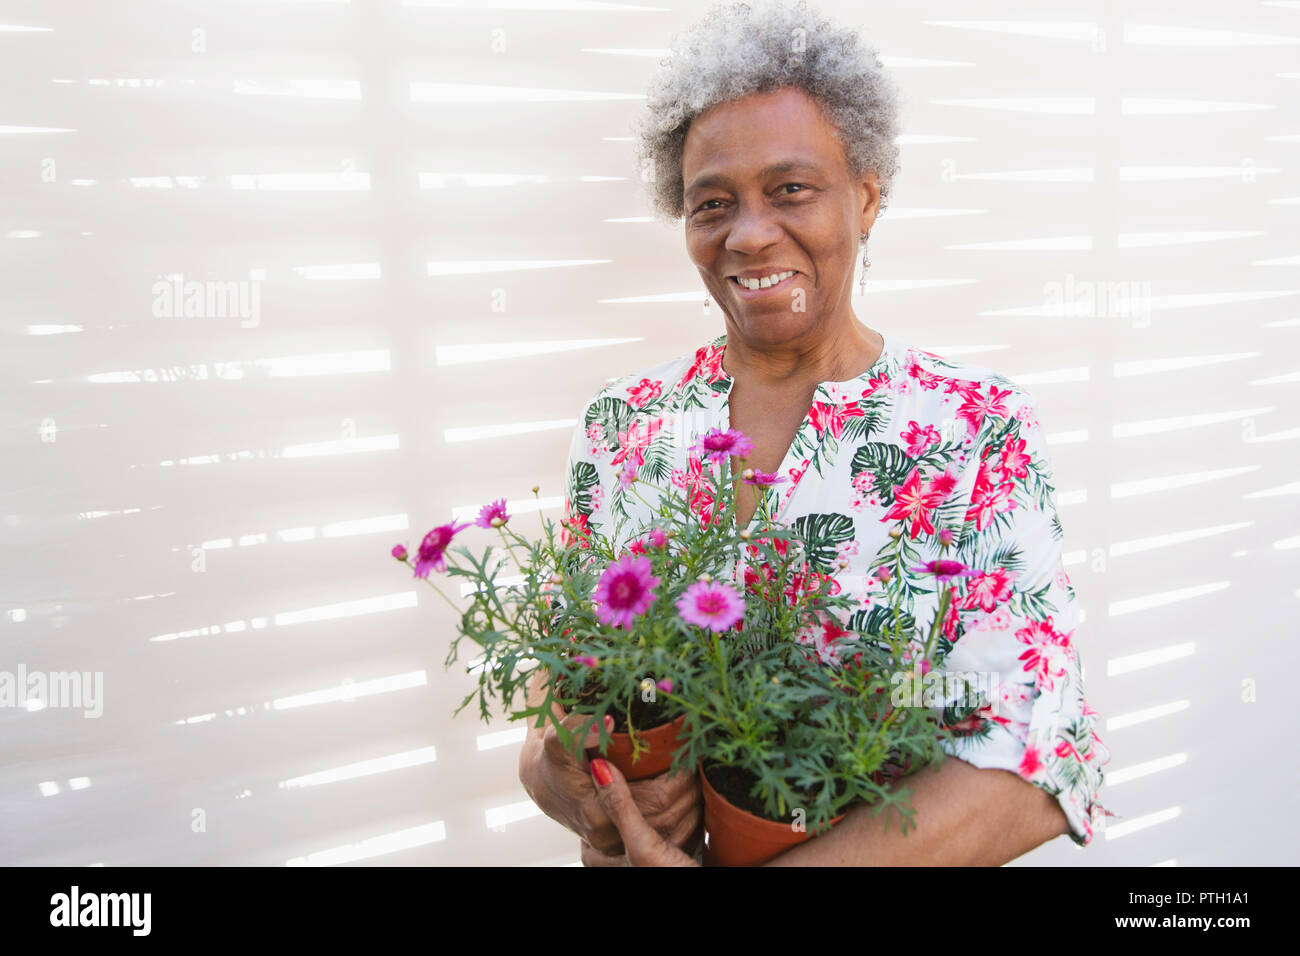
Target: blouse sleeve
[(1015, 620)]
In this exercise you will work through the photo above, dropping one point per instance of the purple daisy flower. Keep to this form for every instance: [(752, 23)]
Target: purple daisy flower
[(717, 444), (624, 591), (487, 513), (431, 556), (712, 605), (945, 570), (761, 478), (627, 474)]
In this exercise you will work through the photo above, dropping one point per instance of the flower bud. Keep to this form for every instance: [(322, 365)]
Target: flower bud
[(745, 535), (747, 474), (536, 488), (496, 521), (399, 552), (556, 578), (706, 577)]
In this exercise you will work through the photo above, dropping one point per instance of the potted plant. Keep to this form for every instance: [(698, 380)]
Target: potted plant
[(707, 646), (788, 735)]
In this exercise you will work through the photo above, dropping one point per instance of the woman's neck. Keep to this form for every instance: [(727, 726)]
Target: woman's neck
[(835, 355)]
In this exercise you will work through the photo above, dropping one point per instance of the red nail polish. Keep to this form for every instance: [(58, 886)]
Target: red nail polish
[(600, 771)]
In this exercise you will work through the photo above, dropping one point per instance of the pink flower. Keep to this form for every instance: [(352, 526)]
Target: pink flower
[(488, 513), (708, 364), (1048, 651), (989, 498), (665, 685), (762, 478), (399, 552), (646, 391), (977, 406), (624, 591), (1031, 763), (712, 605), (627, 474), (1015, 459), (431, 556), (989, 589), (826, 417), (656, 538), (917, 499), (919, 439), (634, 442), (827, 636), (586, 660), (945, 570), (718, 444)]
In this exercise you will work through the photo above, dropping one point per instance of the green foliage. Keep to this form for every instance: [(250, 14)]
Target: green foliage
[(888, 463), (812, 723)]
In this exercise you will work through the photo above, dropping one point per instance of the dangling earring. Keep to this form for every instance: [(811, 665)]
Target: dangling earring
[(706, 303), (862, 283)]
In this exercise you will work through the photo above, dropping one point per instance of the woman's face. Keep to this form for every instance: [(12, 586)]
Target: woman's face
[(767, 190)]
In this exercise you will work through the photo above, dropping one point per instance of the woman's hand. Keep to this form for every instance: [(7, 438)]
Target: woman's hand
[(644, 844), (561, 785)]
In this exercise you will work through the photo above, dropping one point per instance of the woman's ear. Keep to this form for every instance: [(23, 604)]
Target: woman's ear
[(869, 189)]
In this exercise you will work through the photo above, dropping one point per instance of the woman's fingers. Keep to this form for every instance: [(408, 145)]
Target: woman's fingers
[(642, 842), (593, 857)]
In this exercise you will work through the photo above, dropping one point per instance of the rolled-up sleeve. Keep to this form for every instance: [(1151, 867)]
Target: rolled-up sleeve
[(1015, 623)]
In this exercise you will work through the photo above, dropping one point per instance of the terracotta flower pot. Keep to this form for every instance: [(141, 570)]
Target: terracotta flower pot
[(735, 837), (661, 740)]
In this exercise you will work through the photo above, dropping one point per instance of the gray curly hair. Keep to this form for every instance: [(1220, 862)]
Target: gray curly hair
[(738, 49)]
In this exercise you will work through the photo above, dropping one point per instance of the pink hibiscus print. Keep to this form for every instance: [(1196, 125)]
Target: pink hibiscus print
[(917, 498), (827, 417), (919, 439), (643, 392), (1047, 654), (988, 589), (976, 407)]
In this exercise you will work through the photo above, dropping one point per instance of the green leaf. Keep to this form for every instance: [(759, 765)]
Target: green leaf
[(582, 479), (888, 463), (822, 533), (614, 415)]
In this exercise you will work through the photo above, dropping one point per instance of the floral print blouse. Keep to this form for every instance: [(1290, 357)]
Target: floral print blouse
[(918, 443)]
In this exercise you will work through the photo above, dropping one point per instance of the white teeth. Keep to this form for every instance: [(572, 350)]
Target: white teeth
[(764, 282)]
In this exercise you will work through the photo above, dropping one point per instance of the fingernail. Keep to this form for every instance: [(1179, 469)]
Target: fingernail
[(600, 771)]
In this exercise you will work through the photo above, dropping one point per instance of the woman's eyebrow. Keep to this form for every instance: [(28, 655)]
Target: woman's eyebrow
[(775, 169)]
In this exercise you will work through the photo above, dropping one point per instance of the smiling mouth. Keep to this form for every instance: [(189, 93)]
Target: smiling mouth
[(747, 292)]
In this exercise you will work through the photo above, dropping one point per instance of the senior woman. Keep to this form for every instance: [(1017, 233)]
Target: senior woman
[(771, 134)]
